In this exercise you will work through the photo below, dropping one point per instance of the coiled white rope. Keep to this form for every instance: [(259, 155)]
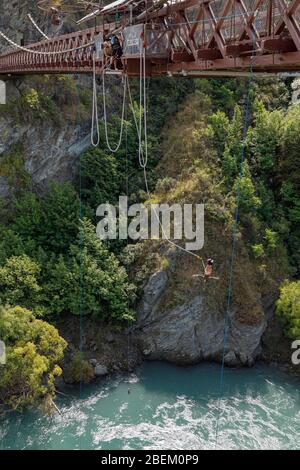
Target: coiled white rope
[(143, 156), (95, 118), (113, 150), (37, 27), (50, 53)]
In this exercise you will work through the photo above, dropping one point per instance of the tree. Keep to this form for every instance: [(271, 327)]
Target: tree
[(219, 124), (33, 351), (290, 144), (11, 244), (233, 148), (50, 221), (290, 176), (100, 176), (90, 281), (57, 286), (288, 308), (28, 217), (265, 139), (19, 282), (248, 199), (61, 211)]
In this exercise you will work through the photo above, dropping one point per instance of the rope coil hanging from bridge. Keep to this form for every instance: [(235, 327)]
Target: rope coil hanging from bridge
[(95, 118), (113, 150)]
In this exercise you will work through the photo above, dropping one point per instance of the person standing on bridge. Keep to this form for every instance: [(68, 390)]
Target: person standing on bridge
[(108, 53), (117, 51)]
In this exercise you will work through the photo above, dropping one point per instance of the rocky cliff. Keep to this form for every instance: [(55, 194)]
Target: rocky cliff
[(193, 330), (180, 320), (47, 130), (48, 150)]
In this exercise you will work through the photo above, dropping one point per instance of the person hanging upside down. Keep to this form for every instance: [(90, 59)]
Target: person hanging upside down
[(208, 271)]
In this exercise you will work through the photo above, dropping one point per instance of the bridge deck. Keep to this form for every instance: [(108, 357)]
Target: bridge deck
[(201, 37)]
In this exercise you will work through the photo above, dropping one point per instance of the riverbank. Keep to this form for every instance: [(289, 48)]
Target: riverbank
[(110, 349)]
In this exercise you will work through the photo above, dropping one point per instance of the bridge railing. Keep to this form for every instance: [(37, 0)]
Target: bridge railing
[(49, 54)]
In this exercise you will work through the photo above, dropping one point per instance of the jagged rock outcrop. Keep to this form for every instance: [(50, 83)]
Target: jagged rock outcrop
[(193, 332), (50, 152)]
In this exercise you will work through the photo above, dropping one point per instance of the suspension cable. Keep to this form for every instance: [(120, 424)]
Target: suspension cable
[(50, 53), (37, 27)]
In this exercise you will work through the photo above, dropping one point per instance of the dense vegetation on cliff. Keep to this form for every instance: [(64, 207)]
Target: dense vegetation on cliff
[(51, 262)]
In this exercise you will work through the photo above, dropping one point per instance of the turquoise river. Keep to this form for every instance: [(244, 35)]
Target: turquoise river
[(168, 407)]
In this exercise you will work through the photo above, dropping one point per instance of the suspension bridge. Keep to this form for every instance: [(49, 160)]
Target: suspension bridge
[(180, 37)]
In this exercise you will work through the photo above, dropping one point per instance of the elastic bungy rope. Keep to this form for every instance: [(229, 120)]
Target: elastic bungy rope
[(32, 51), (234, 241), (95, 118), (105, 115), (37, 27), (143, 159)]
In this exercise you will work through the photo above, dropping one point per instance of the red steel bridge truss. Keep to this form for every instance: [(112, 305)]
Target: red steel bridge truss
[(194, 37)]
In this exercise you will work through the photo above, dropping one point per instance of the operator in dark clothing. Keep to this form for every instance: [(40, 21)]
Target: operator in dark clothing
[(117, 51)]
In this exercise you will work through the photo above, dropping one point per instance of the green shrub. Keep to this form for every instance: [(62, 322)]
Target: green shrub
[(19, 282), (166, 184), (33, 351), (90, 280), (288, 308), (271, 239), (31, 98), (78, 370), (258, 250)]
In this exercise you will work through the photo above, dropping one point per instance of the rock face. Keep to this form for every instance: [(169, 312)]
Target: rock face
[(152, 293), (192, 332), (100, 370), (49, 152)]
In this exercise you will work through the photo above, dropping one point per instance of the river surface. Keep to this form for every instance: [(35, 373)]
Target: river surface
[(168, 408)]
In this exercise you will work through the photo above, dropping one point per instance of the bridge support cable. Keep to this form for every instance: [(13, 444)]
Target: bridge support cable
[(37, 27), (44, 53)]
